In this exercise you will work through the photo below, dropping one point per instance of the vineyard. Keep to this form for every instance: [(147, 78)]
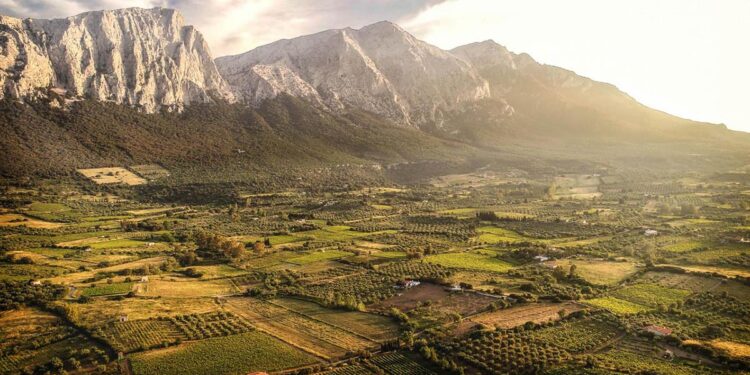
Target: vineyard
[(579, 335), (415, 270), (107, 289), (507, 352), (236, 354), (315, 336), (651, 295), (395, 363), (638, 356), (617, 306), (139, 335), (366, 287), (470, 261), (202, 326)]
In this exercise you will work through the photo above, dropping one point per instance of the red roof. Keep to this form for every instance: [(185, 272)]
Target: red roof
[(658, 330)]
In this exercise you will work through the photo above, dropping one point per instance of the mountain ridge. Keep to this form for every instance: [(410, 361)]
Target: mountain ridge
[(146, 58), (371, 95)]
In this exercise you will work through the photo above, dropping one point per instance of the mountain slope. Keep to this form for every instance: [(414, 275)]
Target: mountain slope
[(146, 58), (556, 100), (379, 68), (283, 136)]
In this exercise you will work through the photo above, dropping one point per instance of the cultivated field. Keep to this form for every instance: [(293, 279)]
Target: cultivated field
[(112, 175)]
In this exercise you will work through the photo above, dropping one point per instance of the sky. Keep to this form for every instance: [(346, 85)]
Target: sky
[(690, 58)]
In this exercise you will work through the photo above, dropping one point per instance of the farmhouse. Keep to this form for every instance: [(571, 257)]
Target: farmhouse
[(541, 258), (455, 288), (650, 232), (657, 330), (407, 284)]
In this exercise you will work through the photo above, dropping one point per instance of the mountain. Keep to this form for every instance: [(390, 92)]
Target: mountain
[(379, 68), (553, 99), (146, 58), (94, 86)]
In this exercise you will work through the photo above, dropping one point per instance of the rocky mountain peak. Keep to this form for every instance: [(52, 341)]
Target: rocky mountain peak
[(146, 58), (379, 68)]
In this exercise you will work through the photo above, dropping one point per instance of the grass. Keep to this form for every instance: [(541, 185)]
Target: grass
[(319, 256), (372, 326), (492, 235), (116, 244), (651, 294), (687, 222), (28, 271), (14, 220), (217, 271), (381, 206), (471, 261), (107, 289), (733, 349), (600, 272), (682, 247), (468, 211), (617, 306), (390, 254), (236, 354)]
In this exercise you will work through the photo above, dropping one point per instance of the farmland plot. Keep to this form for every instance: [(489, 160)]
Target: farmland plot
[(314, 336), (518, 315), (229, 355), (112, 175), (374, 327)]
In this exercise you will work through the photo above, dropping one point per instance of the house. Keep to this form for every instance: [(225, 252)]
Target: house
[(650, 233), (455, 288), (35, 282), (411, 283), (658, 330), (144, 279), (123, 318), (406, 284), (151, 244), (541, 258)]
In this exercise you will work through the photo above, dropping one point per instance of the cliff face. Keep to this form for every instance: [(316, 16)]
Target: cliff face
[(146, 58), (379, 68)]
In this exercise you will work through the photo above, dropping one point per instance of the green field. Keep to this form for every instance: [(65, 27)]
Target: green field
[(319, 256), (116, 244), (492, 235), (107, 289), (390, 254), (651, 294), (229, 355), (682, 247), (617, 306), (600, 272), (470, 261)]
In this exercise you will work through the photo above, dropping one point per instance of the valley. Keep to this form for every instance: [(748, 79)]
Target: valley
[(387, 278)]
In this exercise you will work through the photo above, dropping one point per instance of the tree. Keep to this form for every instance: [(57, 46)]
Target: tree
[(259, 247), (234, 249), (572, 272)]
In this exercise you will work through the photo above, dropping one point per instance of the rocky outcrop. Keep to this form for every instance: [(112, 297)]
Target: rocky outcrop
[(379, 68), (146, 58)]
